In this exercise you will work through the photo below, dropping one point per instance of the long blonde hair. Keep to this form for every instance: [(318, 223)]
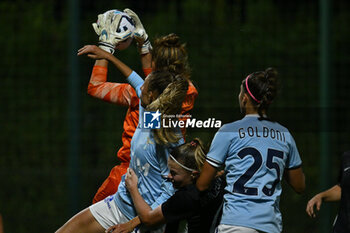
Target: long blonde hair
[(172, 92)]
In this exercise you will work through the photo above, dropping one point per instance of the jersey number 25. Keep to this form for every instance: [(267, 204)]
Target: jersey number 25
[(239, 185)]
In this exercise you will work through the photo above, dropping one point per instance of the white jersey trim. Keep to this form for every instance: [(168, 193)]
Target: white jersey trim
[(213, 162)]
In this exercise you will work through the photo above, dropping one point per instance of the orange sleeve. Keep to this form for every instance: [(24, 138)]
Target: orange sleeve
[(188, 103), (147, 71), (118, 93)]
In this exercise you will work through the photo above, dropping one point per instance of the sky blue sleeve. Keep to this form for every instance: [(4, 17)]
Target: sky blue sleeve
[(294, 160), (167, 192), (136, 82), (219, 147), (167, 189)]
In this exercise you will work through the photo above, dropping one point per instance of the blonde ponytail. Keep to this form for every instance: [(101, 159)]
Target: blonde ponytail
[(169, 102)]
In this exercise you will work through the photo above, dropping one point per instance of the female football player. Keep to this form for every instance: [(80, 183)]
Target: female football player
[(256, 153), (185, 163), (168, 53), (161, 91)]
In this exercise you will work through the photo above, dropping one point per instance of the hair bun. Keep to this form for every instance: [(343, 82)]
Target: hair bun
[(171, 40), (271, 74)]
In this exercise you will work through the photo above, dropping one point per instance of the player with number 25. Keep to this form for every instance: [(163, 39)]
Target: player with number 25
[(256, 152)]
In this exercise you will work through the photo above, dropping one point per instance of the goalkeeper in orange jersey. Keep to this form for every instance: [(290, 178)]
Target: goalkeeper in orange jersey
[(167, 54)]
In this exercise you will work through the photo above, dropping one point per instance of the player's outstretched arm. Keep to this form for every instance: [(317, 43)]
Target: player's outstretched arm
[(121, 94), (332, 194), (94, 52), (146, 61), (143, 43), (140, 35), (147, 216), (296, 179)]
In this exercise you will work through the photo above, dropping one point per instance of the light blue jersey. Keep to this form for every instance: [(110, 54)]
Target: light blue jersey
[(255, 153), (149, 161)]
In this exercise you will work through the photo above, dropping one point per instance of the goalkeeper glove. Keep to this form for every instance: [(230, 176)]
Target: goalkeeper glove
[(103, 21), (140, 35), (113, 27)]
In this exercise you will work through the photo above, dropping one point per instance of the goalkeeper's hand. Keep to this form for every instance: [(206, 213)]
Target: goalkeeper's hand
[(107, 30), (100, 27), (102, 20), (140, 35)]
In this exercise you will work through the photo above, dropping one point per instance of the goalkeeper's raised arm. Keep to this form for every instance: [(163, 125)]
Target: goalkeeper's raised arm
[(97, 53), (144, 46)]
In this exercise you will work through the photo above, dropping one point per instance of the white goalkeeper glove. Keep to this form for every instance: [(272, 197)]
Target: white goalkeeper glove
[(113, 27), (103, 20), (140, 35)]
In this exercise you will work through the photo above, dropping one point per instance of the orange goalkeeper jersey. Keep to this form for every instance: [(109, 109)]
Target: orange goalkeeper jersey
[(123, 94)]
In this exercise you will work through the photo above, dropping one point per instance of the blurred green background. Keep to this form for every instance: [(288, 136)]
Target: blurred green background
[(58, 144)]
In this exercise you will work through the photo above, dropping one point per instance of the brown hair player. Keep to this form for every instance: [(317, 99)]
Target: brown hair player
[(168, 53)]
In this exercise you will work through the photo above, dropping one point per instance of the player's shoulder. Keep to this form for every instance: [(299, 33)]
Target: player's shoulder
[(232, 126), (230, 130), (283, 129), (279, 126)]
